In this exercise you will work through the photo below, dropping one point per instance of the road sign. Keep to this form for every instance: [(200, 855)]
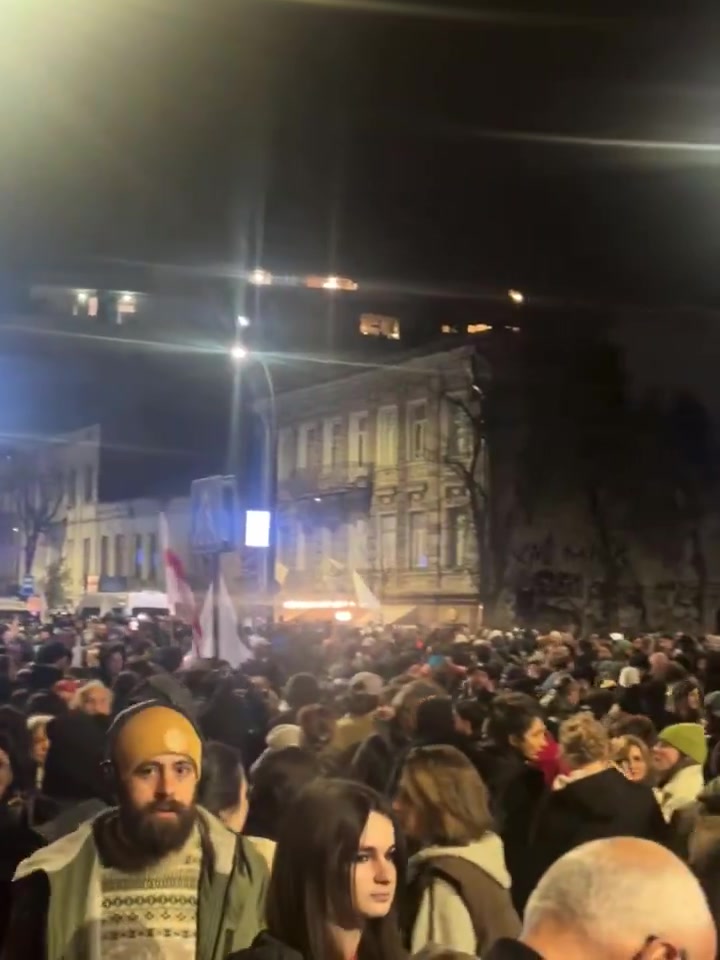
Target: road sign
[(213, 512), (28, 586)]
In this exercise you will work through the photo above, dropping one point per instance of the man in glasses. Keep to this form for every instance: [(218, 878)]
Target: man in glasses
[(615, 899)]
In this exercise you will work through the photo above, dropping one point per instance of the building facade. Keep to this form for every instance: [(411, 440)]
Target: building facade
[(364, 486)]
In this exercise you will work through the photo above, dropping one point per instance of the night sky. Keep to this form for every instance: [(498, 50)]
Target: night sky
[(575, 156), (418, 148)]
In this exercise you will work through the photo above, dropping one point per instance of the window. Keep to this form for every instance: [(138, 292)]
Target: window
[(387, 438), (89, 490), (417, 430), (286, 453), (417, 541), (104, 555), (358, 544), (456, 537), (119, 555), (307, 446), (332, 443), (387, 542), (71, 489), (86, 560), (358, 439), (138, 562), (376, 325), (152, 556), (459, 432)]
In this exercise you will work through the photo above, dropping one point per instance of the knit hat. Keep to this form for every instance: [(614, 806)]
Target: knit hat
[(688, 738), (149, 730)]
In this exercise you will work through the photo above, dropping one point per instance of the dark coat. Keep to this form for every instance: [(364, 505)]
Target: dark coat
[(601, 805), (516, 789), (266, 947), (379, 759), (512, 950)]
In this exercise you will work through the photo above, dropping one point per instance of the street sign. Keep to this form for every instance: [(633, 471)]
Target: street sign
[(28, 586), (213, 515)]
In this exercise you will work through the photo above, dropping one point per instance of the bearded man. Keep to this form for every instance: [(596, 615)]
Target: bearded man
[(156, 877)]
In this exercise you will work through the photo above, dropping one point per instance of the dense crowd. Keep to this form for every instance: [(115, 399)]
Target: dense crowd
[(357, 795)]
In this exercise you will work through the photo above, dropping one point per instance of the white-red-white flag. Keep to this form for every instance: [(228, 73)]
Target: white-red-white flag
[(181, 599)]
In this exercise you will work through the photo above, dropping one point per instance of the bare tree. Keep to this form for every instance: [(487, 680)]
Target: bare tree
[(34, 490), (483, 450)]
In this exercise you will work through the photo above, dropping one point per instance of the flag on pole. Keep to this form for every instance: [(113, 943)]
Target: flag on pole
[(181, 599), (365, 597), (230, 647)]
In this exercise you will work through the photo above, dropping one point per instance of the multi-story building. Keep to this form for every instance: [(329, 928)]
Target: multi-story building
[(95, 543), (365, 486)]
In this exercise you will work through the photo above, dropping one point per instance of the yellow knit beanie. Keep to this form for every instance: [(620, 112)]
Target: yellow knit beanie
[(152, 732)]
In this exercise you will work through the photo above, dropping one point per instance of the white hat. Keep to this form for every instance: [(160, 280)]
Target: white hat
[(367, 682), (283, 735), (629, 677)]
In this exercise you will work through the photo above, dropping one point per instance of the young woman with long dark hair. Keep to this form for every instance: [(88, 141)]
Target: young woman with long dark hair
[(334, 879)]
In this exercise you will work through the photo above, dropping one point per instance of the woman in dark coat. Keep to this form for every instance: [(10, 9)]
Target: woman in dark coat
[(593, 802), (515, 782)]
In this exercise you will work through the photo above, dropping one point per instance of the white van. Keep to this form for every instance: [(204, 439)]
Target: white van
[(153, 602)]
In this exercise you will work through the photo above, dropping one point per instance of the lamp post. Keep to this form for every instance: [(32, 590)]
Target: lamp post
[(241, 355)]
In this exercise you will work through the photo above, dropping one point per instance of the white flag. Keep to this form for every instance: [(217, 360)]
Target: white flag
[(230, 647)]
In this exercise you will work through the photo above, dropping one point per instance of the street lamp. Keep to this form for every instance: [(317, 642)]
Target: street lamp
[(238, 352), (260, 278), (243, 322), (516, 296)]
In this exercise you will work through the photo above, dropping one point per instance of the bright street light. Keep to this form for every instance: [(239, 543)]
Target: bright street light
[(243, 322), (260, 278), (516, 296), (238, 352)]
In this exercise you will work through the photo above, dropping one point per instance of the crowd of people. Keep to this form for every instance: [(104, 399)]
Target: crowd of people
[(357, 795)]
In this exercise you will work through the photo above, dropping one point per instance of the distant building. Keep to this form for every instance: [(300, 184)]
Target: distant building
[(364, 487)]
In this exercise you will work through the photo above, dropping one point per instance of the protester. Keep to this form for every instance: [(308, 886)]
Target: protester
[(516, 784), (357, 723), (593, 801), (223, 788), (379, 759), (155, 867), (633, 758), (334, 881), (93, 698), (679, 756), (459, 884), (275, 785), (615, 899), (37, 727)]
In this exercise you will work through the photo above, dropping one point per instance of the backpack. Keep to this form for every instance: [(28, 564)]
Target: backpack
[(463, 877)]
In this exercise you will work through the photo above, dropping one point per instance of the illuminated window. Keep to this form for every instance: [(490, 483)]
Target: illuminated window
[(377, 325)]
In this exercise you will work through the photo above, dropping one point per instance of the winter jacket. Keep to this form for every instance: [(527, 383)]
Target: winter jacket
[(591, 807), (266, 947), (682, 788), (516, 789), (57, 896), (352, 730), (462, 897), (379, 759), (696, 826)]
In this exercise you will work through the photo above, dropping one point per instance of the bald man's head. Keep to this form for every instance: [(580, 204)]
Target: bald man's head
[(617, 899)]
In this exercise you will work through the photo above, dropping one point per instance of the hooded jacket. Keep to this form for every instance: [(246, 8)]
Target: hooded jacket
[(465, 916), (682, 789), (57, 900), (591, 807)]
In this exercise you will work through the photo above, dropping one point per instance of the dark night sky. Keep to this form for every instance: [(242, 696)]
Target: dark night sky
[(404, 143), (147, 129)]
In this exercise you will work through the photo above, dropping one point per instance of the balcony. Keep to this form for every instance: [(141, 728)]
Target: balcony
[(351, 481)]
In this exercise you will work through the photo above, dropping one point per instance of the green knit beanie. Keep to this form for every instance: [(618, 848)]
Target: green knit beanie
[(688, 738)]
